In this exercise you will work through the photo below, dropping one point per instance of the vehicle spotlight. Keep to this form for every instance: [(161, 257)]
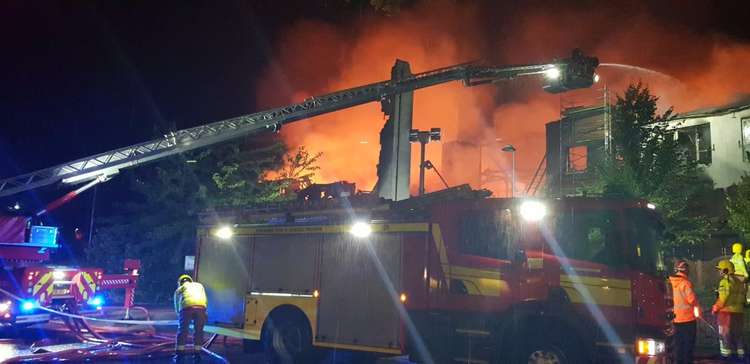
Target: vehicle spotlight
[(533, 210), (58, 275), (552, 73), (28, 305), (651, 206), (224, 232), (4, 307), (361, 229)]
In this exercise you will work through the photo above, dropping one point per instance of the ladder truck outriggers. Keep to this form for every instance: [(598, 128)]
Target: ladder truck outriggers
[(446, 277)]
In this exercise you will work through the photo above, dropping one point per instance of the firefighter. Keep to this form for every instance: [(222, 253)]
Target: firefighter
[(190, 303), (686, 311), (740, 269), (729, 311)]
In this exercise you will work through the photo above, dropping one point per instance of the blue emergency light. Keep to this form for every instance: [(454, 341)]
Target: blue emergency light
[(96, 301), (28, 305)]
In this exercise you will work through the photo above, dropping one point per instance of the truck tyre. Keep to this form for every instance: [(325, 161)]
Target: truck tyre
[(287, 339), (251, 346), (549, 347)]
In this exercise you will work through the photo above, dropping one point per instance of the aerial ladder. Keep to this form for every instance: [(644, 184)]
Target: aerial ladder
[(564, 74)]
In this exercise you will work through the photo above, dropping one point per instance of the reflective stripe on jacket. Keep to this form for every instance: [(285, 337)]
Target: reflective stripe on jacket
[(739, 265), (684, 298), (731, 295), (189, 294)]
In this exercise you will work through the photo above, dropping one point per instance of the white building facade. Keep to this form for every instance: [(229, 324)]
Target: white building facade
[(719, 139)]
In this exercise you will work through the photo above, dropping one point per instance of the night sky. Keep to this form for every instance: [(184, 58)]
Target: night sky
[(81, 77)]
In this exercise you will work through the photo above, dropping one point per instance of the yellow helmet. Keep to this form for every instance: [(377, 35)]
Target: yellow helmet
[(184, 278), (737, 248), (725, 266)]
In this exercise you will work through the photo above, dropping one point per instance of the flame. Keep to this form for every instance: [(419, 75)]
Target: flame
[(312, 58)]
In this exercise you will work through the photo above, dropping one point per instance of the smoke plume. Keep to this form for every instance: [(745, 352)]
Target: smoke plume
[(685, 69)]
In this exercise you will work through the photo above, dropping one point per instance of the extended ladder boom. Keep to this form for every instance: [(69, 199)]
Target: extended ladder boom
[(107, 164)]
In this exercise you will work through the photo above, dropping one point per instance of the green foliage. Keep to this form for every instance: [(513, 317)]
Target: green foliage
[(158, 225), (738, 206), (649, 163), (300, 167)]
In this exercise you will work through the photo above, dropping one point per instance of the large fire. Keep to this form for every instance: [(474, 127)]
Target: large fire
[(313, 58)]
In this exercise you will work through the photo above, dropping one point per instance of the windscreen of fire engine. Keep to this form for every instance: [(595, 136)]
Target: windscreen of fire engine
[(589, 236), (486, 233), (644, 234)]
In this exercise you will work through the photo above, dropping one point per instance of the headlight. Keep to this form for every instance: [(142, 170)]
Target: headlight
[(224, 232), (650, 347), (533, 210), (58, 275), (4, 307), (361, 229)]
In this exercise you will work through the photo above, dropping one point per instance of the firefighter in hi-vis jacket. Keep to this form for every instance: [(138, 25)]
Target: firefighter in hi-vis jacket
[(686, 311), (190, 303), (729, 310)]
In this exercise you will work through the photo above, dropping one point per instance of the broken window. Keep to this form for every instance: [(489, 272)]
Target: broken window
[(746, 139), (578, 159), (696, 142)]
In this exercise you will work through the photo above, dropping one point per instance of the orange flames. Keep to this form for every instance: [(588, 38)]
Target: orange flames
[(312, 58)]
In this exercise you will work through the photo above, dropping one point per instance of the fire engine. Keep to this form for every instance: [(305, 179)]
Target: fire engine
[(27, 274), (450, 276), (397, 275)]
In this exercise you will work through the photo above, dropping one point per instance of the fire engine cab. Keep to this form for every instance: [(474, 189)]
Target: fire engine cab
[(451, 276)]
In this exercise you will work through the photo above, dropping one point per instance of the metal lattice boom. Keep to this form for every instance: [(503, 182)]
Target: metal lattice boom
[(110, 163)]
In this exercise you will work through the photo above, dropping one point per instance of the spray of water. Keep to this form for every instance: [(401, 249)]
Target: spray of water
[(641, 69)]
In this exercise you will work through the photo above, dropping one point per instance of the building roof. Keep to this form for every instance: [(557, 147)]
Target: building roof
[(742, 103)]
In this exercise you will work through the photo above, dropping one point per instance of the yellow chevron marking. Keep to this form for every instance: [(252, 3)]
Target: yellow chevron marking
[(90, 280), (437, 236), (42, 280)]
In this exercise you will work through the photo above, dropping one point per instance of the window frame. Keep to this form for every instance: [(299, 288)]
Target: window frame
[(568, 163), (695, 133), (745, 142)]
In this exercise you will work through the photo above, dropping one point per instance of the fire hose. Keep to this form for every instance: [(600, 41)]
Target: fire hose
[(103, 348)]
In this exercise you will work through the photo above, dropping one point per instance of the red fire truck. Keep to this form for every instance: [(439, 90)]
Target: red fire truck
[(447, 277), (456, 280), (24, 253)]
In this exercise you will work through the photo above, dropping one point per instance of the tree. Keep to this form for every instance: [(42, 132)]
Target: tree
[(158, 223), (300, 167), (649, 163), (738, 207)]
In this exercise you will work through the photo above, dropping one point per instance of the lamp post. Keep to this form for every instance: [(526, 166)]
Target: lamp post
[(510, 148), (423, 137)]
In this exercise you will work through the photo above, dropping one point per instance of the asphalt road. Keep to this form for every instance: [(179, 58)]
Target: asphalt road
[(54, 337)]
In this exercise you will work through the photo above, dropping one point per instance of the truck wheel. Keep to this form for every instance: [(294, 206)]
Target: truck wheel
[(549, 348), (287, 340), (251, 346)]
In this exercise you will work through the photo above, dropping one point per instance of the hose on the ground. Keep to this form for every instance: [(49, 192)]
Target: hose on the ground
[(104, 348)]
